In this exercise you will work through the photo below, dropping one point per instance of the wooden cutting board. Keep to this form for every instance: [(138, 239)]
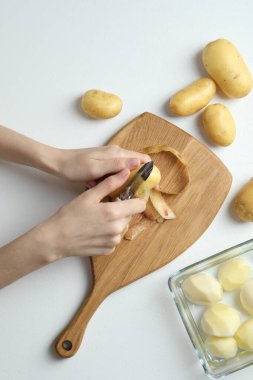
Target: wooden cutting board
[(155, 247)]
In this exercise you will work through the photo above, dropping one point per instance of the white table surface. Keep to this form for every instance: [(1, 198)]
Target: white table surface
[(143, 50)]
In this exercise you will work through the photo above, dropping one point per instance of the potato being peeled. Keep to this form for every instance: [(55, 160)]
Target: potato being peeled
[(100, 104), (193, 97), (219, 124), (225, 65), (243, 204), (153, 180)]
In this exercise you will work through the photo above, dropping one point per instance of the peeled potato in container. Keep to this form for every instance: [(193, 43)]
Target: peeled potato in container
[(202, 289), (219, 124), (225, 65), (100, 104), (233, 273), (244, 335), (243, 204), (221, 347), (193, 97), (220, 320), (246, 296)]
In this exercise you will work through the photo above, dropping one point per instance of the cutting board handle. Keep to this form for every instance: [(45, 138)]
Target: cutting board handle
[(69, 341)]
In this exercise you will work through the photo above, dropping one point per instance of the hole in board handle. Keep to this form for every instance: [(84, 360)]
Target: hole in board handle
[(67, 345)]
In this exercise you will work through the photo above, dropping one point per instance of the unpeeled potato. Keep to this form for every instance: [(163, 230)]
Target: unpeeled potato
[(193, 97), (219, 124), (243, 204), (100, 104), (225, 65)]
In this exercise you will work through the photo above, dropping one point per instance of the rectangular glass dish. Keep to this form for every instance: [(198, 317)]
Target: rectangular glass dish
[(190, 313)]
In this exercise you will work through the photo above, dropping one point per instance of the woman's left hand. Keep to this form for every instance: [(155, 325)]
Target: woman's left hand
[(89, 164)]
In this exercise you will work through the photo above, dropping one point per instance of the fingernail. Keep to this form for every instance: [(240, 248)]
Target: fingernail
[(124, 173), (90, 184), (133, 163)]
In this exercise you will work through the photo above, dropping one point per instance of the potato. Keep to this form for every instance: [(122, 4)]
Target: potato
[(193, 97), (202, 289), (221, 347), (244, 335), (224, 64), (153, 180), (246, 296), (220, 320), (219, 124), (101, 105), (233, 273), (243, 204)]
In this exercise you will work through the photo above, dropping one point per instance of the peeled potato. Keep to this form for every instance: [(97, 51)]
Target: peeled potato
[(246, 296), (233, 273), (225, 65), (100, 104), (202, 289), (220, 320), (243, 204), (193, 97), (221, 347), (219, 124), (244, 335)]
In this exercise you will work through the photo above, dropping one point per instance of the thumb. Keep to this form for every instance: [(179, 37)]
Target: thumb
[(108, 185)]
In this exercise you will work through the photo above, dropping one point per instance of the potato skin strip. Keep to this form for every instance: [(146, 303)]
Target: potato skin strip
[(179, 181), (184, 179), (137, 228)]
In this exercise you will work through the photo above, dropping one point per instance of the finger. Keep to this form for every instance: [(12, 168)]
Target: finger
[(141, 156), (90, 184), (107, 241), (115, 165), (117, 210), (112, 228), (113, 151), (104, 188)]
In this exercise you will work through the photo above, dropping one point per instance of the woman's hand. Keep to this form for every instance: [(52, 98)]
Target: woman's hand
[(83, 227), (86, 226), (90, 164)]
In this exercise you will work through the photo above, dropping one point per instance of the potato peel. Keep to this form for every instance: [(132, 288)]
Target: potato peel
[(151, 213), (161, 206), (181, 176), (157, 209), (137, 228)]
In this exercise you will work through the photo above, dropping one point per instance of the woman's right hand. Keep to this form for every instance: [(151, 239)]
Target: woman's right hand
[(86, 226)]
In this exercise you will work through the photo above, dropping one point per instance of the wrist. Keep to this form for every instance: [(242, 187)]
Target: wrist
[(51, 160), (45, 238)]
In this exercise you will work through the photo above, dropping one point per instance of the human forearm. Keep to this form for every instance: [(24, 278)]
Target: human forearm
[(25, 254), (23, 150), (85, 226), (83, 165)]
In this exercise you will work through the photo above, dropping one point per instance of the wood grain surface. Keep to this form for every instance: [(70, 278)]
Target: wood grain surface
[(155, 247)]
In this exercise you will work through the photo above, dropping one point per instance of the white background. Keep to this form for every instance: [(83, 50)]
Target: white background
[(51, 51)]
